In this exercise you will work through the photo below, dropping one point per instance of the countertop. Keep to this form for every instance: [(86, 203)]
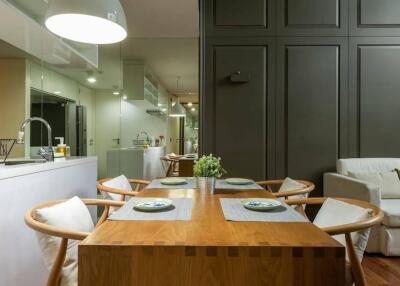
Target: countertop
[(24, 169)]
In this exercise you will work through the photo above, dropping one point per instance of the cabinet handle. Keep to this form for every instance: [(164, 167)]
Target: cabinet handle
[(240, 77)]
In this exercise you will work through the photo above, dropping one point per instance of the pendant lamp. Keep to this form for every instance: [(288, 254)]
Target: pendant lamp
[(87, 21)]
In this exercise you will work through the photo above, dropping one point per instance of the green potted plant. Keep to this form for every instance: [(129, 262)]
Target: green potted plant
[(209, 168)]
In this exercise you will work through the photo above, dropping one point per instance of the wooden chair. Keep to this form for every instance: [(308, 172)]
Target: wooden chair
[(309, 187), (173, 165), (64, 234), (357, 274), (140, 184)]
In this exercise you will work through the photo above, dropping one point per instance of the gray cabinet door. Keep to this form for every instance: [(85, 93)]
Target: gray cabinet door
[(310, 17), (375, 96), (311, 107), (238, 17), (236, 124), (374, 17)]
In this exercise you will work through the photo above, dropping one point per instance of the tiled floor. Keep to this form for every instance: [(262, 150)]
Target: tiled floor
[(381, 271)]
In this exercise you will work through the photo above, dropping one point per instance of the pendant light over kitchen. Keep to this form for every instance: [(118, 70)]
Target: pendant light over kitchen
[(87, 21), (177, 110)]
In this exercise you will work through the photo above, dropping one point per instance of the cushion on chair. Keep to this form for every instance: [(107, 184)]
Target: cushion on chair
[(292, 185), (388, 182), (335, 212), (391, 208), (120, 182), (370, 165), (71, 215)]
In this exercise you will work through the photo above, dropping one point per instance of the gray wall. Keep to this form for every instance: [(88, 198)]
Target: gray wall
[(290, 86)]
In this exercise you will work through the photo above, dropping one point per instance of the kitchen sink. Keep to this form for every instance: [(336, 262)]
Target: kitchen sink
[(21, 162)]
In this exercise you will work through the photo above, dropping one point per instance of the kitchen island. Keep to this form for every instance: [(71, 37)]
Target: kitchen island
[(136, 162), (23, 186)]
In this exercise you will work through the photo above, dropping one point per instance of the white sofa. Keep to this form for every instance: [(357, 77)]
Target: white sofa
[(384, 238)]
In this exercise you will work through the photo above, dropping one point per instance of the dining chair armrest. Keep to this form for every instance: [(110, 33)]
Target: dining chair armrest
[(59, 231), (103, 188), (337, 185), (309, 187)]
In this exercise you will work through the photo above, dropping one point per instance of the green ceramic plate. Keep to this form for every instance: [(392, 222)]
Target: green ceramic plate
[(238, 181), (173, 181), (260, 204), (152, 204)]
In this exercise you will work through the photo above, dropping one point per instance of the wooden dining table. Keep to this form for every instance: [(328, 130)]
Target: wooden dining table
[(209, 250)]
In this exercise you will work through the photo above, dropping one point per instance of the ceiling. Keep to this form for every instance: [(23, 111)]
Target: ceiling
[(162, 18), (164, 34)]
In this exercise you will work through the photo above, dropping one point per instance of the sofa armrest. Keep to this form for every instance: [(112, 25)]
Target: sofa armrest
[(336, 185)]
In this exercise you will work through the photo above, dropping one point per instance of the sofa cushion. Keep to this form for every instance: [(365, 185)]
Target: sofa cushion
[(371, 165), (121, 183), (389, 241), (73, 215), (391, 208), (334, 212), (388, 182)]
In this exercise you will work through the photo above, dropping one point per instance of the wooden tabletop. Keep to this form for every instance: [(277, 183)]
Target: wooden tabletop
[(208, 250), (208, 226)]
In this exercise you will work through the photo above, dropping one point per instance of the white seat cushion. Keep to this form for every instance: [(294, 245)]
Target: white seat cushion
[(71, 215), (391, 208), (388, 182), (292, 185), (370, 165), (335, 212), (120, 182)]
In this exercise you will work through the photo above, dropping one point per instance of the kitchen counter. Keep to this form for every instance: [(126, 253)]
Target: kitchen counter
[(22, 187), (30, 168)]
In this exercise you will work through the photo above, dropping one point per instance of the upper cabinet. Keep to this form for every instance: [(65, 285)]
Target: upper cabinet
[(374, 18), (49, 81), (140, 83), (310, 17), (233, 17)]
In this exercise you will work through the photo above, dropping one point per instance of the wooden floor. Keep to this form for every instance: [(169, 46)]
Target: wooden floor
[(381, 271)]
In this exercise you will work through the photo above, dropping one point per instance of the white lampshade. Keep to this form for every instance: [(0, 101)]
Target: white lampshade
[(87, 21), (177, 111)]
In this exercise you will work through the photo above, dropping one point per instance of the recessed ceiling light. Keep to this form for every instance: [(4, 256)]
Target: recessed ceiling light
[(193, 109), (190, 104), (115, 92), (93, 22), (91, 79), (159, 104)]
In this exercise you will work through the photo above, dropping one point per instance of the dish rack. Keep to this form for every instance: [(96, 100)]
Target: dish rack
[(6, 146)]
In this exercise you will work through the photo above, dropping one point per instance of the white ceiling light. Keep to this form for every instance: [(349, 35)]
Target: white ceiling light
[(91, 79), (189, 104), (116, 92), (87, 21)]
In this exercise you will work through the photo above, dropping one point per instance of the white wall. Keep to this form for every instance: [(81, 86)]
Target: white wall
[(134, 119)]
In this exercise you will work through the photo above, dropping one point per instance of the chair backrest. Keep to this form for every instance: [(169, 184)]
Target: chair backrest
[(370, 165), (362, 219), (118, 188), (54, 238)]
